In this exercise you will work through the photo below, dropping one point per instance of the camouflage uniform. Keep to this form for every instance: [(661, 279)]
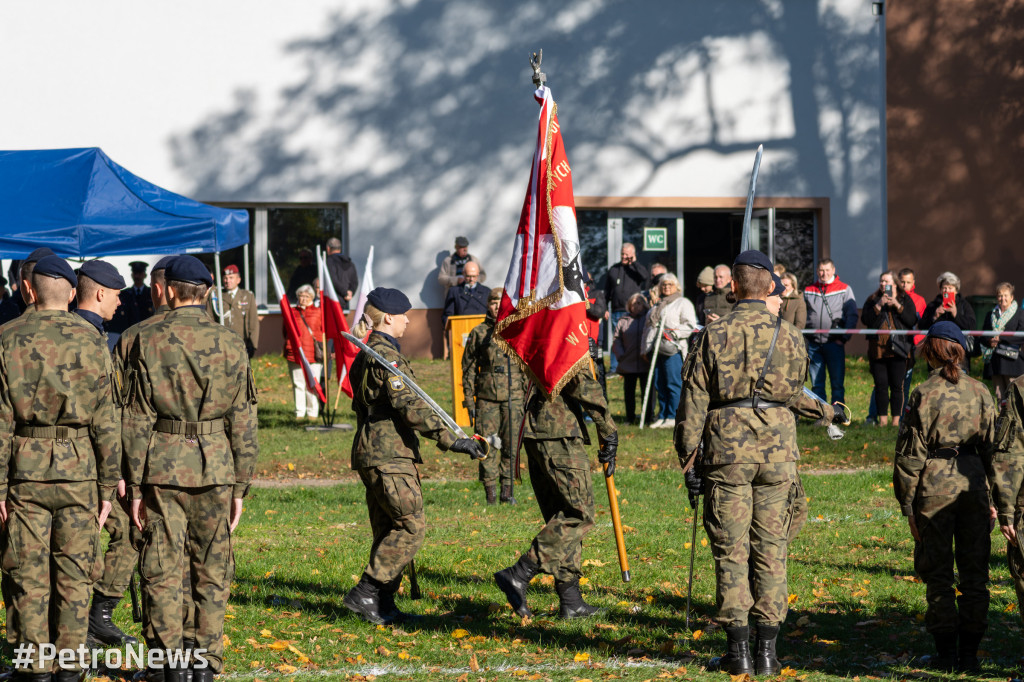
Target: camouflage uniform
[(942, 452), (240, 315), (560, 471), (1008, 478), (485, 374), (749, 463), (385, 452), (190, 447), (59, 439)]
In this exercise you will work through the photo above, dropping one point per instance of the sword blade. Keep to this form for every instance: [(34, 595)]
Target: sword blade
[(448, 421), (745, 241)]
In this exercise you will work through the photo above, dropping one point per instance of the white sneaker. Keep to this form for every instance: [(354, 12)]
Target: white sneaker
[(667, 424), (656, 424)]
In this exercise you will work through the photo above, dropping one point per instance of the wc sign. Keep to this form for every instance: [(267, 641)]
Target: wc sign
[(655, 239)]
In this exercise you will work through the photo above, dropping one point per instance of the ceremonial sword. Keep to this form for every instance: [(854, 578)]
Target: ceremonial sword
[(834, 432), (448, 421), (745, 235)]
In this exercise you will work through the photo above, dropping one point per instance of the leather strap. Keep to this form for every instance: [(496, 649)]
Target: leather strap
[(183, 428), (759, 386), (61, 433)]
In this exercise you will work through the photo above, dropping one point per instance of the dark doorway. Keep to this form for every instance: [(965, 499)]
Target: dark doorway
[(710, 238)]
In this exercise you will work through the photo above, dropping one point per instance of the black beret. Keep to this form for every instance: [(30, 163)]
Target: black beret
[(56, 267), (103, 273), (390, 301), (138, 265), (778, 287), (461, 241), (162, 263), (949, 331), (39, 253), (755, 259), (188, 269)]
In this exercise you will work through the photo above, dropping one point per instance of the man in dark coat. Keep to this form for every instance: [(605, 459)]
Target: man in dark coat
[(136, 301), (342, 271), (625, 278), (468, 298)]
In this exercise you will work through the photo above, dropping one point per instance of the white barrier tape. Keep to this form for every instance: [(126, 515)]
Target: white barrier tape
[(911, 332)]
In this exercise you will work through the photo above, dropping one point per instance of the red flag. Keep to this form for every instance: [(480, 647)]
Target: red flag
[(542, 318), (292, 329), (334, 324)]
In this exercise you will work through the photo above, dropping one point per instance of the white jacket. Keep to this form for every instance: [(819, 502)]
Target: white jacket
[(680, 321)]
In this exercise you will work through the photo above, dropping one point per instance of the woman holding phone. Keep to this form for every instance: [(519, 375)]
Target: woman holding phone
[(1003, 361), (950, 306), (889, 308)]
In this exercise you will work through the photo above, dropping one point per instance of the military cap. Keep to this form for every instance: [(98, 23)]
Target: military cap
[(103, 273), (231, 270), (38, 254), (706, 278), (390, 301), (188, 269), (777, 286), (138, 265), (949, 331), (460, 242), (56, 267), (495, 294), (162, 263), (754, 259)]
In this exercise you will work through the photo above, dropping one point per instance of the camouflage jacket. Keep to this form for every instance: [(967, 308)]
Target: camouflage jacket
[(127, 339), (56, 371), (484, 368), (1008, 459), (941, 416), (560, 417), (190, 405), (240, 314), (388, 413), (723, 366)]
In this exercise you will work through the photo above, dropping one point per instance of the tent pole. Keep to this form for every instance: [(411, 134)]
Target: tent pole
[(219, 308), (245, 260)]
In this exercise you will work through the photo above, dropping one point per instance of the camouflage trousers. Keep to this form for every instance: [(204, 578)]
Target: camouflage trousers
[(395, 503), (492, 419), (954, 529), (1015, 557), (188, 604), (187, 529), (748, 512), (560, 474), (50, 561), (120, 558), (799, 510)]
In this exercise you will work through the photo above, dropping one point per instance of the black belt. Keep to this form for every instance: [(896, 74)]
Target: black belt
[(747, 402), (951, 452), (183, 428), (61, 433)]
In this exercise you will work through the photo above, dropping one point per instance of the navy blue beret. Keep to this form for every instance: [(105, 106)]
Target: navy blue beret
[(39, 253), (56, 267), (949, 331), (103, 273), (755, 259), (188, 269), (162, 263), (390, 301), (778, 287)]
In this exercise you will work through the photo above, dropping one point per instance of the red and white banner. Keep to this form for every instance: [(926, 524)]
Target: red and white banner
[(334, 324), (542, 317), (291, 326)]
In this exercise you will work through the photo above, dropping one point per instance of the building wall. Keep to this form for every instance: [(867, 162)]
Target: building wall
[(420, 113), (955, 140)]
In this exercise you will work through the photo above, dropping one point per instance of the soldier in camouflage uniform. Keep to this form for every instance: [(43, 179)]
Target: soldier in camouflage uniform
[(497, 382), (1008, 482), (60, 465), (190, 433), (749, 460), (385, 452), (554, 437), (943, 451)]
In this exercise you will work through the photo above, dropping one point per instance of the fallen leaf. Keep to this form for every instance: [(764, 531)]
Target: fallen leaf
[(473, 664), (697, 634), (703, 542), (582, 656), (278, 645), (286, 669), (793, 598), (265, 633), (460, 633)]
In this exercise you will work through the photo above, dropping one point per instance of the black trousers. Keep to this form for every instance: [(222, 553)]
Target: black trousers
[(888, 374), (629, 385)]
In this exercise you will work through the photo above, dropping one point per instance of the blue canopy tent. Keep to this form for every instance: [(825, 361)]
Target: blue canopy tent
[(83, 205)]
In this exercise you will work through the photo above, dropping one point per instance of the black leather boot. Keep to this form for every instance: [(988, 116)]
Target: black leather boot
[(945, 651), (737, 660), (188, 645), (388, 609), (513, 582), (967, 652), (101, 627), (570, 601), (62, 675), (506, 495), (176, 674), (765, 660), (203, 674), (21, 676), (491, 493), (364, 600)]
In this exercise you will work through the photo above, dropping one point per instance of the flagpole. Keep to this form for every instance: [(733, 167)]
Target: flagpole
[(328, 415)]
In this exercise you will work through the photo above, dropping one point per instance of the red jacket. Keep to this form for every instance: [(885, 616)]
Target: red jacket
[(315, 322), (919, 304)]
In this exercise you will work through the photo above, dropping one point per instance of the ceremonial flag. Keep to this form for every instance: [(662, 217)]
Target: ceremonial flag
[(334, 324), (542, 317), (365, 287), (291, 326)]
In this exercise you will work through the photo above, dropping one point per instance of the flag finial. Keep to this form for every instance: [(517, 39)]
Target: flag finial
[(539, 77)]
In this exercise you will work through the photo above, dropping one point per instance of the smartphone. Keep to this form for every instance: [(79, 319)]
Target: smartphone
[(948, 299), (888, 290)]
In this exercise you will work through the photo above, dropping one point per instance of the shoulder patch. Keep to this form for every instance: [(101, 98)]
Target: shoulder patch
[(396, 383)]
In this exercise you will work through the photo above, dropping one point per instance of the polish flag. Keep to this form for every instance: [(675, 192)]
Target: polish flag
[(334, 324), (291, 326), (542, 317), (365, 287)]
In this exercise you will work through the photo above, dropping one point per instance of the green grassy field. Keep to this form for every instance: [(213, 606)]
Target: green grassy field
[(856, 608)]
